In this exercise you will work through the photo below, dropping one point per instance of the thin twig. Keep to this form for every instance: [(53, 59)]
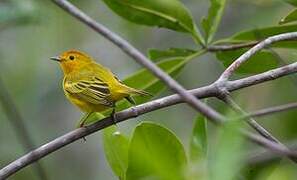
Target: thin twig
[(260, 156), (281, 37), (274, 147), (17, 121), (141, 59), (230, 47), (282, 63), (265, 76), (269, 111), (203, 92), (252, 122)]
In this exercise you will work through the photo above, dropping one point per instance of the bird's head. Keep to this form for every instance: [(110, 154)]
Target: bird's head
[(72, 60)]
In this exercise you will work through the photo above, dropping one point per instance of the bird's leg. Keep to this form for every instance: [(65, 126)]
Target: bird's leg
[(86, 116), (83, 122), (112, 114)]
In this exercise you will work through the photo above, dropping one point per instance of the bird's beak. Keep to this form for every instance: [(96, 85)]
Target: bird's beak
[(56, 59)]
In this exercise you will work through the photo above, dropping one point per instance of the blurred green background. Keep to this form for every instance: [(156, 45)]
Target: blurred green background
[(32, 31)]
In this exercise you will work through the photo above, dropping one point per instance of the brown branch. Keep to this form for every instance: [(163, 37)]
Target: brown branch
[(251, 121), (260, 156), (270, 110), (254, 124), (244, 57), (230, 47), (203, 92), (215, 88)]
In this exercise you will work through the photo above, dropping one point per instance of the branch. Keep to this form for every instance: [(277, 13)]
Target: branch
[(234, 46), (253, 123), (256, 157), (203, 92), (274, 147), (270, 110), (230, 47), (141, 59), (144, 108), (281, 37)]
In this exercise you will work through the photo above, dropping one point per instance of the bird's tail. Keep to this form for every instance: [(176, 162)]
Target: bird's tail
[(138, 92)]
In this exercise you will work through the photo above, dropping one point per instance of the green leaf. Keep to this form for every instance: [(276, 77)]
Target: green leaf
[(260, 62), (226, 156), (292, 2), (157, 55), (116, 150), (171, 14), (282, 170), (285, 44), (145, 80), (260, 33), (292, 16), (155, 153), (211, 22), (198, 144)]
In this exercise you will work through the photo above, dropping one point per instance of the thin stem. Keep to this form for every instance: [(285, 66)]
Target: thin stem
[(257, 156), (230, 47), (281, 37), (252, 122), (270, 110)]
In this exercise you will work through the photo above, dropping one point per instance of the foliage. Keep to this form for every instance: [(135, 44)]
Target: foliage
[(211, 23), (154, 151), (260, 62), (291, 17)]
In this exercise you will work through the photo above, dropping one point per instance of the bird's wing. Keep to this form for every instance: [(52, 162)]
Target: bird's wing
[(93, 90)]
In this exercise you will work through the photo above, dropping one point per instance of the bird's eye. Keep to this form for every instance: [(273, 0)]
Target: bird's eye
[(71, 57)]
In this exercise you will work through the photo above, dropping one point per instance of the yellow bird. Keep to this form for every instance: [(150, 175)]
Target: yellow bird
[(91, 86)]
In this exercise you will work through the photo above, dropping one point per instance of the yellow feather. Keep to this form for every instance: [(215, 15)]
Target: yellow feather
[(89, 85)]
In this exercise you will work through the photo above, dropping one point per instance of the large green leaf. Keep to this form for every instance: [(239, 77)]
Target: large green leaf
[(155, 153), (157, 55), (211, 22), (275, 171), (292, 16), (292, 2), (171, 14), (226, 156), (116, 150), (260, 33), (260, 62), (198, 144)]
